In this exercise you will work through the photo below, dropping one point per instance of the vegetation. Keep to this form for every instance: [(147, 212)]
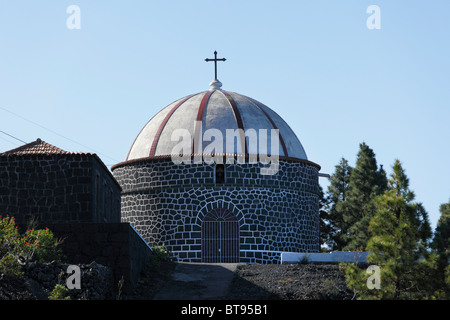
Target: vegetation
[(59, 292), (10, 266), (160, 257), (366, 211), (156, 273), (351, 195), (18, 249)]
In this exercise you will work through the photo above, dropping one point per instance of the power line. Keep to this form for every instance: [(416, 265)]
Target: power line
[(9, 135), (54, 132), (9, 141)]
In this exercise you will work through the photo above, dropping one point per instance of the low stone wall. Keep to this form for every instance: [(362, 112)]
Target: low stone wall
[(330, 257), (58, 188), (116, 245)]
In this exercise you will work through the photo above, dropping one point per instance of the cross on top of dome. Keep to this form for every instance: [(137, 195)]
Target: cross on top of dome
[(215, 63), (215, 84)]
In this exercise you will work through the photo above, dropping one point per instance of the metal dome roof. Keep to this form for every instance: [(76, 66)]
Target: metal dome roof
[(220, 110)]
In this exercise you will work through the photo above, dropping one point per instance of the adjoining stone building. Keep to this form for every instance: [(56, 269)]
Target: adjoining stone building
[(211, 200), (42, 182), (76, 196)]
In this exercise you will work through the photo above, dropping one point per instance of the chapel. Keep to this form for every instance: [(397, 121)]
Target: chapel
[(217, 176)]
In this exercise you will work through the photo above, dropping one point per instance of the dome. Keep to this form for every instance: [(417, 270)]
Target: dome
[(216, 113), (211, 210)]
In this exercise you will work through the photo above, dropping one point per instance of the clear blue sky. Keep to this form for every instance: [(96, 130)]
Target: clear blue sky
[(336, 82)]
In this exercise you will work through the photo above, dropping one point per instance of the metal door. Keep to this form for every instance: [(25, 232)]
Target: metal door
[(220, 237)]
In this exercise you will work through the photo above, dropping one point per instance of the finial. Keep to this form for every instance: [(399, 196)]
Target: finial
[(215, 85)]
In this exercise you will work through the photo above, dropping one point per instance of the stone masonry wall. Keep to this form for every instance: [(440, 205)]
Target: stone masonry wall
[(76, 196), (73, 187), (166, 204), (116, 245)]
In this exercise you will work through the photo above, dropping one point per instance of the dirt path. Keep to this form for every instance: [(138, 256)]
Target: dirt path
[(198, 281)]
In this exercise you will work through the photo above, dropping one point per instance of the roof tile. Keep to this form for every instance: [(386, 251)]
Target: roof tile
[(35, 147)]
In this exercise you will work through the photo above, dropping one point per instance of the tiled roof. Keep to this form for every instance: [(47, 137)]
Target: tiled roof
[(35, 147), (40, 147)]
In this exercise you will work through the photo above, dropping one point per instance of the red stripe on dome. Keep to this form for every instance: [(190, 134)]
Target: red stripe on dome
[(201, 111), (163, 124), (237, 115), (203, 103), (283, 145)]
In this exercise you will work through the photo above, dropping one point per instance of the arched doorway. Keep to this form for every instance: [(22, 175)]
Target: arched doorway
[(220, 237)]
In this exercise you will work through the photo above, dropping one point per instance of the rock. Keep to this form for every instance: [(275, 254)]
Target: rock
[(289, 282), (40, 279)]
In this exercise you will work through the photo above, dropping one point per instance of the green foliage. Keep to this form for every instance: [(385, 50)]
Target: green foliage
[(8, 234), (447, 276), (325, 225), (355, 278), (59, 292), (441, 241), (350, 200), (365, 210), (333, 226), (38, 245), (440, 245), (365, 183), (45, 246), (10, 266), (399, 235), (304, 259), (365, 178), (160, 256)]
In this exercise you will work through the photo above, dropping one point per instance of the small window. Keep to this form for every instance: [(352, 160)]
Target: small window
[(220, 173)]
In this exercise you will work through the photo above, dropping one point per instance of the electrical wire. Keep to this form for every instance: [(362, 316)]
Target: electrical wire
[(12, 136), (54, 132), (9, 141)]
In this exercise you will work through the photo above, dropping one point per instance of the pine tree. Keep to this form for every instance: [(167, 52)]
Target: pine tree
[(441, 241), (365, 183), (336, 196), (324, 222), (400, 230), (440, 245)]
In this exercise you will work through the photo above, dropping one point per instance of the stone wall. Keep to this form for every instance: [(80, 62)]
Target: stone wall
[(163, 173), (116, 245), (77, 197), (58, 187), (166, 204)]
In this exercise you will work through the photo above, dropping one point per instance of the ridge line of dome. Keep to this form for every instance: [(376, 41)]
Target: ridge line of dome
[(164, 122), (283, 145), (143, 128), (237, 116), (200, 113), (265, 106)]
